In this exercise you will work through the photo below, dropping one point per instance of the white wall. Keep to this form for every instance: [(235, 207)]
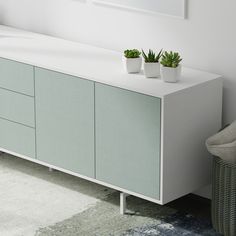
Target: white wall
[(206, 40)]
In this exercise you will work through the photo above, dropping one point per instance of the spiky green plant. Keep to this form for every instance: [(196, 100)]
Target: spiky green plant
[(132, 53), (151, 57), (171, 59)]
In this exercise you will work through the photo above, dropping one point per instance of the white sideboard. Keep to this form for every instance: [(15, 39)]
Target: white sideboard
[(72, 107)]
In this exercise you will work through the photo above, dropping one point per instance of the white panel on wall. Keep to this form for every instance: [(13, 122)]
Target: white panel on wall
[(175, 8)]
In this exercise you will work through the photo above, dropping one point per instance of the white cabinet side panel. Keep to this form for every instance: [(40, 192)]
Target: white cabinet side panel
[(189, 118)]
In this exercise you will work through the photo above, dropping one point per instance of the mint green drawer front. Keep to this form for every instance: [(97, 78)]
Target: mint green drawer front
[(17, 76), (17, 107), (128, 140), (65, 121), (17, 138)]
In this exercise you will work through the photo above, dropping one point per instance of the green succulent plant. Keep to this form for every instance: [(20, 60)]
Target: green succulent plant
[(132, 53), (151, 57), (171, 59)]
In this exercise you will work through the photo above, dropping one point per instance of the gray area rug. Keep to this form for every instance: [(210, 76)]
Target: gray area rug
[(31, 197), (145, 219), (34, 201)]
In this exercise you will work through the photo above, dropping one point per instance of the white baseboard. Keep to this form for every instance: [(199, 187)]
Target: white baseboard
[(204, 192)]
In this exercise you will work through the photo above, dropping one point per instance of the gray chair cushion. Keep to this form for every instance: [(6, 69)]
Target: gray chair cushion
[(223, 144)]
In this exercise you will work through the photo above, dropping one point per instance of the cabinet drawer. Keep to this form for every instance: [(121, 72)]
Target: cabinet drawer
[(128, 140), (17, 138), (17, 76), (17, 107)]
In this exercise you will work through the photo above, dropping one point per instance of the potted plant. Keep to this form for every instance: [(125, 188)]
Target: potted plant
[(133, 61), (151, 64), (170, 66)]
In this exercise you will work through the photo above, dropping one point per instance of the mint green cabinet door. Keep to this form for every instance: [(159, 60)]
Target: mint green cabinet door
[(65, 121), (128, 140)]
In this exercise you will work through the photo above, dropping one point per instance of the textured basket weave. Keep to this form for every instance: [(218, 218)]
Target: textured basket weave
[(224, 197)]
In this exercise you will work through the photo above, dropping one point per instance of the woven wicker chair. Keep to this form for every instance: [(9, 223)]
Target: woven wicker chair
[(224, 197)]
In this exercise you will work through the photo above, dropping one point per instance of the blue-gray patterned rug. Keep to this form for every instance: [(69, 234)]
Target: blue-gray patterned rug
[(178, 224), (148, 219)]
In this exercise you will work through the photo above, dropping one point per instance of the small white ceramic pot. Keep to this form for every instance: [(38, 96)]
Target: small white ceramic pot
[(170, 75), (133, 65), (152, 70)]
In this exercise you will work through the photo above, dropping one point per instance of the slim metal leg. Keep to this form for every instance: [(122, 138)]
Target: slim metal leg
[(123, 197)]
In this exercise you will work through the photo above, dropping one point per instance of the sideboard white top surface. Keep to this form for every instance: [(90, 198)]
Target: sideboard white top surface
[(88, 62)]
